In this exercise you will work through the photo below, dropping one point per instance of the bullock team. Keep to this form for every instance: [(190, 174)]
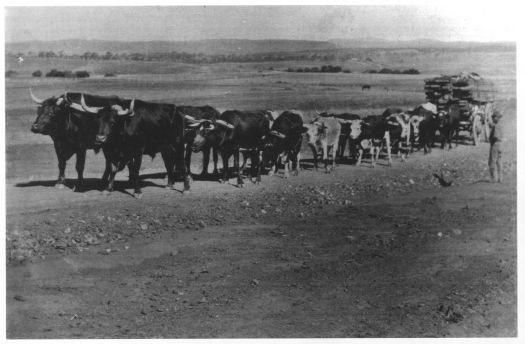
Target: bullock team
[(127, 129)]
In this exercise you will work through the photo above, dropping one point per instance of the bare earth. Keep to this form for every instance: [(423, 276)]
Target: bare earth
[(360, 252)]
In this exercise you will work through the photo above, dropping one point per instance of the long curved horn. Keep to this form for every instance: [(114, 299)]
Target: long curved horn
[(224, 124), (86, 108), (34, 98), (193, 120), (278, 134)]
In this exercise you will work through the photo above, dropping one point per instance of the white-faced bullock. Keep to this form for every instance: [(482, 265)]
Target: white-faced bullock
[(193, 114), (324, 132), (374, 132), (71, 128), (232, 131), (284, 142), (137, 128), (349, 123)]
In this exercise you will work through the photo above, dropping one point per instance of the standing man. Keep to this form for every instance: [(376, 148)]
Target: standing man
[(495, 139)]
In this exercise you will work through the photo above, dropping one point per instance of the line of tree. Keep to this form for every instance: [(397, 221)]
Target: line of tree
[(184, 57), (393, 71)]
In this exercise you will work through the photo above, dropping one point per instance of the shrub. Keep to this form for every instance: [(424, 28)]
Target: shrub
[(411, 71), (37, 73), (82, 74), (107, 75), (347, 71), (10, 73)]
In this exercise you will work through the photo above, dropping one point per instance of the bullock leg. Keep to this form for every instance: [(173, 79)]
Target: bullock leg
[(104, 180), (81, 161), (255, 164), (360, 156), (187, 158), (295, 158), (111, 180), (205, 161), (215, 159), (314, 153), (225, 156), (261, 165), (341, 146), (388, 148), (63, 156), (325, 156), (236, 167), (137, 161), (169, 163)]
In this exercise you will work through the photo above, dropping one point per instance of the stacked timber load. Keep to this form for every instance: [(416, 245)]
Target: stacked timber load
[(463, 90)]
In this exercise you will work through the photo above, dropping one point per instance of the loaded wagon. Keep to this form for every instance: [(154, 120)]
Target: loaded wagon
[(473, 94)]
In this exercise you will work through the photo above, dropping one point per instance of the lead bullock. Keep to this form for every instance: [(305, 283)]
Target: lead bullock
[(137, 128), (72, 130), (232, 131)]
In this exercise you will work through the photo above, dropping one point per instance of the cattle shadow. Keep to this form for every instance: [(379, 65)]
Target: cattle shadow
[(94, 184)]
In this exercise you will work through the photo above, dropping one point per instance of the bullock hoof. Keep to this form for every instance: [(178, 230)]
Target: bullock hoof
[(78, 188), (106, 193), (137, 195), (286, 175), (257, 182), (240, 185), (222, 181), (186, 192), (60, 185), (170, 187), (270, 174)]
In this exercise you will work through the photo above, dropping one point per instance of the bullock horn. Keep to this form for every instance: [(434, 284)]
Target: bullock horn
[(193, 120), (278, 134), (90, 109), (224, 124), (34, 98)]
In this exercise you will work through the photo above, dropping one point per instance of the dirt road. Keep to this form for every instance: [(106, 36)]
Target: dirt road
[(361, 252)]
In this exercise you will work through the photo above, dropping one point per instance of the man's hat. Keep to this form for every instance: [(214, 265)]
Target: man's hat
[(497, 114)]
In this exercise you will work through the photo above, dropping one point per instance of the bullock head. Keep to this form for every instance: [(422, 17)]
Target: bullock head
[(442, 118), (111, 120), (209, 134), (355, 128), (273, 144), (48, 112), (414, 125), (314, 131)]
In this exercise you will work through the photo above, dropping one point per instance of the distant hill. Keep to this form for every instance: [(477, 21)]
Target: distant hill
[(414, 44), (208, 47)]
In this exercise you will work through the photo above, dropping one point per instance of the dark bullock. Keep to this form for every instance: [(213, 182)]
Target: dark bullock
[(284, 142), (449, 125), (72, 130), (231, 132), (192, 114), (141, 128), (424, 124)]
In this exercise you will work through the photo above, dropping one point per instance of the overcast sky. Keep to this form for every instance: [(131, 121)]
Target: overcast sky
[(491, 22)]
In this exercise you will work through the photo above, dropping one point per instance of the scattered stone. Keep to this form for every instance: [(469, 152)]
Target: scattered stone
[(202, 224), (203, 300), (411, 181), (143, 226), (67, 230), (174, 253), (456, 231), (263, 211), (440, 234), (19, 298), (255, 282), (126, 247)]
